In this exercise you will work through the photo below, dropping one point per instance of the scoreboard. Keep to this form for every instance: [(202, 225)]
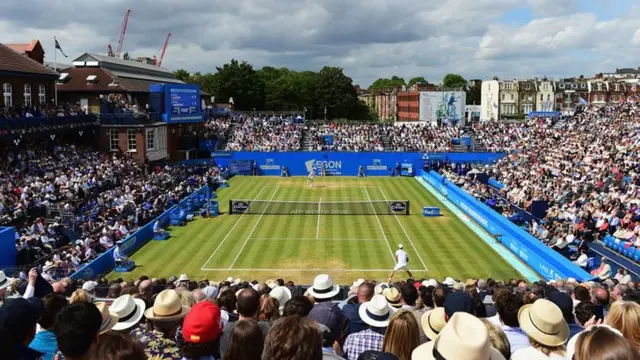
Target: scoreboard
[(184, 101), (178, 103)]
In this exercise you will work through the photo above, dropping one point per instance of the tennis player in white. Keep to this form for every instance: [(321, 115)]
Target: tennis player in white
[(402, 261), (312, 173)]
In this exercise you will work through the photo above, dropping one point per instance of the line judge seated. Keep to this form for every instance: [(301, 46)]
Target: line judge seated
[(119, 256), (158, 229)]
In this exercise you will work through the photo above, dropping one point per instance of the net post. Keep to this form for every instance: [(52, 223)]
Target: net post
[(408, 207), (230, 207)]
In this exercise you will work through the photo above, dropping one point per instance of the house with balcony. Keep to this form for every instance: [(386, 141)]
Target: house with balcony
[(545, 95), (598, 91), (618, 91), (508, 98), (568, 93), (526, 96)]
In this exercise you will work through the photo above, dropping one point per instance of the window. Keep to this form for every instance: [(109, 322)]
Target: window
[(542, 97), (42, 95), (131, 140), (617, 87), (511, 97), (114, 140), (27, 95), (561, 86), (633, 88), (527, 86), (151, 139), (7, 94), (548, 97)]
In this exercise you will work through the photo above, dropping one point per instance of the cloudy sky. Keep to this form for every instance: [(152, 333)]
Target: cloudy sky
[(368, 38)]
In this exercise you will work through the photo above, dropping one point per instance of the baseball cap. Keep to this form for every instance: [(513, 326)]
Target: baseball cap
[(202, 324), (400, 246), (329, 321), (458, 302), (18, 315)]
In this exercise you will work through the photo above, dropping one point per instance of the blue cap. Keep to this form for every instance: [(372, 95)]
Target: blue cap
[(458, 301)]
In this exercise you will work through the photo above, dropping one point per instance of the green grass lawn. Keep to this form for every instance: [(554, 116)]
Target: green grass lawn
[(299, 247)]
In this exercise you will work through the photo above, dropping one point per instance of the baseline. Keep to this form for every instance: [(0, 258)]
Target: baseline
[(229, 232)]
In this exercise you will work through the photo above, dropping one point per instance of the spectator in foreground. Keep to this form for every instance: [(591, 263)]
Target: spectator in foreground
[(498, 339), (601, 342), (201, 332), (117, 346), (464, 337), (247, 341), (625, 317), (248, 307), (402, 336), (548, 332), (432, 323), (365, 293), (129, 311), (376, 314), (77, 328), (508, 307), (163, 320), (18, 321), (298, 305), (45, 339), (293, 338)]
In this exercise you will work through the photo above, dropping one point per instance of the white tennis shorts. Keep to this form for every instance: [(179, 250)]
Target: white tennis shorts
[(404, 267)]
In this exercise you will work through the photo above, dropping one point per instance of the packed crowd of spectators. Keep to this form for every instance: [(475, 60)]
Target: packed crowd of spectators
[(102, 197), (346, 137), (265, 133), (179, 318), (49, 110), (216, 128), (422, 137)]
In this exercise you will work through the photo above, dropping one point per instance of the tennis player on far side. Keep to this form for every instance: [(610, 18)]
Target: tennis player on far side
[(402, 261), (312, 173)]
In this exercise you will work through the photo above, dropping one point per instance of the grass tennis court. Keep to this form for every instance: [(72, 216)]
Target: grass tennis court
[(298, 247)]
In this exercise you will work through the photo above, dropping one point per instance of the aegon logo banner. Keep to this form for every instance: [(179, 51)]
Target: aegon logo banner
[(332, 166)]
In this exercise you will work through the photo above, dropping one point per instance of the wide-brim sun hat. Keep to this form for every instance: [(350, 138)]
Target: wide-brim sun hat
[(376, 312), (393, 297), (167, 307), (282, 294), (323, 287), (433, 322), (464, 337), (543, 322), (129, 311), (109, 320), (5, 281)]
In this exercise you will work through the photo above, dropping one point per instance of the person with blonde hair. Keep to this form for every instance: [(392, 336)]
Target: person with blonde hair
[(402, 336), (498, 339), (601, 342), (269, 309), (187, 298), (80, 296), (625, 317)]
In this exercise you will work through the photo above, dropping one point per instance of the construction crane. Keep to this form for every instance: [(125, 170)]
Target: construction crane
[(164, 49), (123, 31)]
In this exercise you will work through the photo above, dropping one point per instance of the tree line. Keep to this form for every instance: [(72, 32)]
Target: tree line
[(328, 93)]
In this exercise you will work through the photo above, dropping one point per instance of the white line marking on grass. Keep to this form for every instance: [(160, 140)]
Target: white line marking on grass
[(306, 269), (309, 239), (405, 232), (380, 224), (254, 228), (318, 226), (229, 232)]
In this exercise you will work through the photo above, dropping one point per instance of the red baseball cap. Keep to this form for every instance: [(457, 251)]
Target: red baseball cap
[(202, 324)]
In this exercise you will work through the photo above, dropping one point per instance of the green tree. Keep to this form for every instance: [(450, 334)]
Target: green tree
[(417, 80), (336, 94), (183, 75), (384, 83), (451, 81), (474, 94), (241, 82)]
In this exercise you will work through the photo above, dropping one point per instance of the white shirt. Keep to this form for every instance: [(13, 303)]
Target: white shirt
[(583, 261), (403, 257)]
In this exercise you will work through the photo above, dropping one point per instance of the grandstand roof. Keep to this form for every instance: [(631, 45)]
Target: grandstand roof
[(110, 62), (15, 62)]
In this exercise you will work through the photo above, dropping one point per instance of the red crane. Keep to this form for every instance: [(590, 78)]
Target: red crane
[(123, 31), (164, 49)]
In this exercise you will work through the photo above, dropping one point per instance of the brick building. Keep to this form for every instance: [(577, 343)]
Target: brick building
[(24, 80), (408, 102)]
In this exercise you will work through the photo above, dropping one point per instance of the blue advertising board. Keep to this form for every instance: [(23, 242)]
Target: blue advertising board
[(345, 163), (179, 103), (7, 246), (104, 263), (542, 259), (430, 211)]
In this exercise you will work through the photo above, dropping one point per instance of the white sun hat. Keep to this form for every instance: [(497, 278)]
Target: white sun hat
[(376, 312), (129, 311), (282, 294), (323, 287)]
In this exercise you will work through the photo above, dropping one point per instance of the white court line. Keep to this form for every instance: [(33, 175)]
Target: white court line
[(380, 224), (405, 232), (230, 231), (318, 226), (309, 239), (305, 269), (254, 228)]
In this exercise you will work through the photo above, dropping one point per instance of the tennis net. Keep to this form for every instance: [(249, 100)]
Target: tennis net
[(266, 207)]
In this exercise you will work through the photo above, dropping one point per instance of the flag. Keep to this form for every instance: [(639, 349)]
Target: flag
[(58, 47), (583, 101)]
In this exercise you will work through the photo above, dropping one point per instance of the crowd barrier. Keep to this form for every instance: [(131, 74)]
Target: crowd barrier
[(542, 259), (104, 263), (346, 163)]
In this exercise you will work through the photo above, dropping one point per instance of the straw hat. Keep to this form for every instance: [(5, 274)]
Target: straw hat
[(108, 320), (376, 312), (464, 337), (433, 322), (323, 287), (282, 294), (271, 283), (5, 281), (129, 311), (393, 297), (543, 322), (167, 307), (379, 289)]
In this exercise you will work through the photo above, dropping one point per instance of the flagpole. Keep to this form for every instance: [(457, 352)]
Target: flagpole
[(55, 69)]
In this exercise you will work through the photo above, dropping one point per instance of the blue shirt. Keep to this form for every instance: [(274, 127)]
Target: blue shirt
[(45, 342), (117, 254), (517, 338), (355, 323)]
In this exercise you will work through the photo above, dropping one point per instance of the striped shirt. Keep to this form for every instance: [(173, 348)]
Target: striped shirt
[(357, 343)]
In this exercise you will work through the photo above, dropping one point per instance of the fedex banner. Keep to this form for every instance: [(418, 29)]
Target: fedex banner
[(543, 260), (346, 163)]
